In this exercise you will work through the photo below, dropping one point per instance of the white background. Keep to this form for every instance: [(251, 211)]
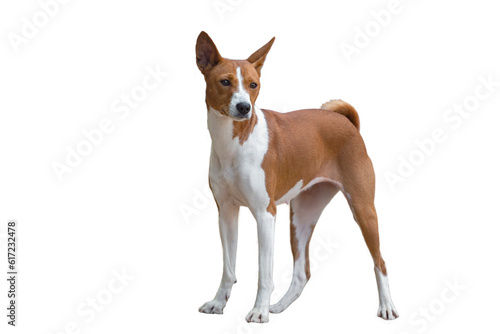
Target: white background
[(121, 207)]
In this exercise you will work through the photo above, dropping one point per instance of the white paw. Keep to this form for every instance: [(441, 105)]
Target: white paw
[(258, 315), (212, 307), (387, 311)]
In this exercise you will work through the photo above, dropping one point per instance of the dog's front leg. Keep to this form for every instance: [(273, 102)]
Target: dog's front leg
[(265, 230), (228, 227)]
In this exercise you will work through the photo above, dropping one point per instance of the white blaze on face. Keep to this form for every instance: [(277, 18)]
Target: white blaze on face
[(239, 96)]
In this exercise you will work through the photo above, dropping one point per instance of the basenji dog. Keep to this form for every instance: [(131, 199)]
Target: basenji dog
[(261, 158)]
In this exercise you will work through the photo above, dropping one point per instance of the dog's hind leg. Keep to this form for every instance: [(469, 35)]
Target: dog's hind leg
[(305, 210), (359, 189)]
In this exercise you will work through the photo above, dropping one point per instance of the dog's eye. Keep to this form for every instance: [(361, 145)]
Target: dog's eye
[(253, 85), (225, 82)]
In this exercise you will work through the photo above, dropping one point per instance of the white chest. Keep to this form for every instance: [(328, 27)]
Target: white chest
[(236, 173)]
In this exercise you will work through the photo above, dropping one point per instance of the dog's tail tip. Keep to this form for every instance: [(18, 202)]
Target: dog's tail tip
[(343, 108)]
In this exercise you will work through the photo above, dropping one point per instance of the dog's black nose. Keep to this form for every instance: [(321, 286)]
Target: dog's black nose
[(243, 107)]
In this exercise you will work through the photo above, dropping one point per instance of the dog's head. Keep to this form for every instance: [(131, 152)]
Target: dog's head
[(232, 85)]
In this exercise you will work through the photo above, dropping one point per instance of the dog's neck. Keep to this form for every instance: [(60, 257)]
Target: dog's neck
[(224, 130), (219, 126), (231, 139)]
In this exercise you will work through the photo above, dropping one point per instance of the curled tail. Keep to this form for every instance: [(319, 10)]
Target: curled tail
[(343, 108)]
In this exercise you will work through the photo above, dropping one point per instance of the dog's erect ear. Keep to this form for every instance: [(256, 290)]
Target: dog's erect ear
[(207, 55), (258, 57)]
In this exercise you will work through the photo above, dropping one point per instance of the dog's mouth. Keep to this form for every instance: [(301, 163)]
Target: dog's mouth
[(224, 111), (235, 115), (240, 117)]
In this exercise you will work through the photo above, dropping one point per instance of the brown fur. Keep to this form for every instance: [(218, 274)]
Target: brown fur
[(311, 143), (343, 108), (308, 266), (242, 130), (306, 144), (303, 144), (216, 68), (294, 242)]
